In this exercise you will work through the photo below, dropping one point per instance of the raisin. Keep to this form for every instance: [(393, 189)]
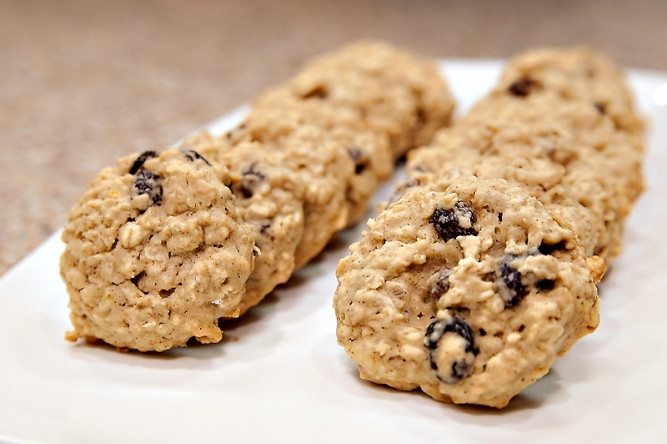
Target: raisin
[(360, 163), (402, 188), (193, 155), (441, 285), (448, 222), (550, 248), (522, 87), (512, 290), (317, 92), (546, 284), (147, 182), (139, 162), (601, 107), (250, 177), (461, 367), (166, 293)]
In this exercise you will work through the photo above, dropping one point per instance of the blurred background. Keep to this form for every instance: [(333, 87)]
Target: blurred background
[(85, 82)]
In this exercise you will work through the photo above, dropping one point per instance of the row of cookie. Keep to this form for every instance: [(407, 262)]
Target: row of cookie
[(562, 125), (308, 157), (493, 237), (153, 258)]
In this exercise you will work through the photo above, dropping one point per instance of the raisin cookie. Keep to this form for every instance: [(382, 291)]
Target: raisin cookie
[(467, 290), (271, 199), (555, 152), (578, 74), (397, 93), (279, 114), (324, 167), (156, 253)]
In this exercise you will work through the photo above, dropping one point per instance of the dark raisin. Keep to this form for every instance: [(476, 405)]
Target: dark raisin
[(512, 290), (317, 92), (193, 155), (251, 171), (402, 188), (441, 285), (166, 293), (522, 87), (139, 162), (460, 370), (482, 332), (546, 284), (420, 117), (250, 177), (461, 367), (245, 190), (500, 217), (360, 162), (550, 248), (439, 327), (448, 222), (601, 107), (410, 183), (264, 228), (147, 182)]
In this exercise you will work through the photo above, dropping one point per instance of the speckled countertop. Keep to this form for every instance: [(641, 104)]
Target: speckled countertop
[(85, 82)]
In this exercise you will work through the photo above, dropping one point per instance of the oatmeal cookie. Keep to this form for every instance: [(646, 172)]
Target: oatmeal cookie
[(578, 74), (156, 253), (278, 115), (468, 290), (271, 200), (557, 145), (396, 92)]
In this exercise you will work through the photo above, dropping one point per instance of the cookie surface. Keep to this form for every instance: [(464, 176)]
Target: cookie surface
[(594, 188), (156, 253), (270, 198), (397, 93), (468, 291), (279, 114)]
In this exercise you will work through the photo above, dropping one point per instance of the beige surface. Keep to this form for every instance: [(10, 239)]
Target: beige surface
[(83, 82)]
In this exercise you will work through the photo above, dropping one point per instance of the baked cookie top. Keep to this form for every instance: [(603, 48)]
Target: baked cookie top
[(566, 152), (580, 74), (279, 114), (271, 198), (397, 93), (156, 253), (468, 289)]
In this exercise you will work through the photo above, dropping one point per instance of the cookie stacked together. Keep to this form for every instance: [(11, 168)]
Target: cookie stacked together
[(164, 245), (482, 269)]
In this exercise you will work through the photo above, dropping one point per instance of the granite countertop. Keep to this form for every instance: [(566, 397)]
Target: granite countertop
[(84, 83)]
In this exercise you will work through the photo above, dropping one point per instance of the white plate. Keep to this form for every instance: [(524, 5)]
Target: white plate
[(279, 376)]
